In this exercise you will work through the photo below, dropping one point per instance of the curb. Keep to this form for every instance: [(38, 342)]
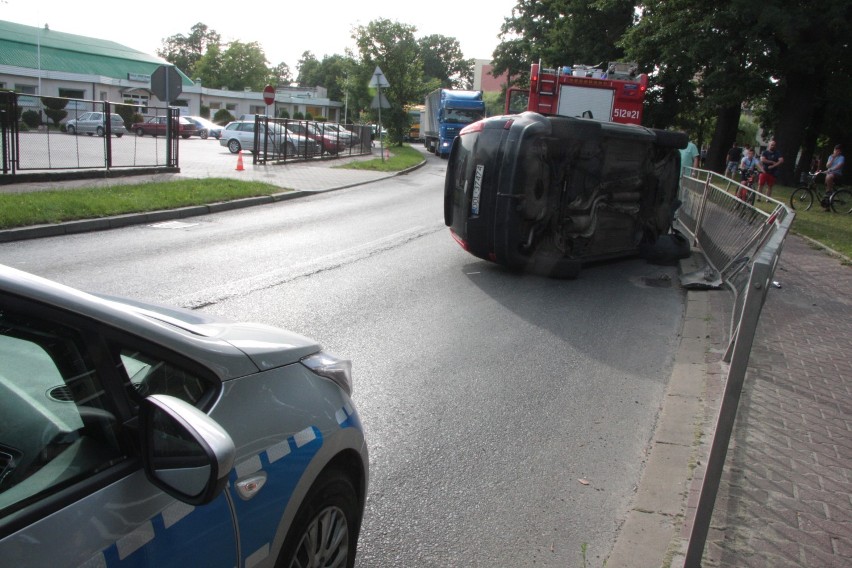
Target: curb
[(650, 533), (119, 221)]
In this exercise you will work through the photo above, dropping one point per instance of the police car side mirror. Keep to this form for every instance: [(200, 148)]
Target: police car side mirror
[(184, 452)]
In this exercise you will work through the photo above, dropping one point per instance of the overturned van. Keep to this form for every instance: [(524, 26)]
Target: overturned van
[(545, 194)]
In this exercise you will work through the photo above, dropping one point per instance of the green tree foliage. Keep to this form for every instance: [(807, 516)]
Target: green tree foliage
[(54, 108), (308, 68), (444, 62), (392, 47), (186, 51), (280, 75), (561, 32), (244, 65)]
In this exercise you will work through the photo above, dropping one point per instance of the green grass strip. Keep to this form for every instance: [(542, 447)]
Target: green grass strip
[(55, 206)]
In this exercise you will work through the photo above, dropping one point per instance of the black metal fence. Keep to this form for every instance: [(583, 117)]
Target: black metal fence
[(50, 134), (53, 133), (283, 139)]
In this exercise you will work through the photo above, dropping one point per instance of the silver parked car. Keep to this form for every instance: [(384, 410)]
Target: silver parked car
[(140, 435), (239, 135), (95, 123)]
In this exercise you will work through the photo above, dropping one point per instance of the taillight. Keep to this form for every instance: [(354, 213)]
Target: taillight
[(477, 126)]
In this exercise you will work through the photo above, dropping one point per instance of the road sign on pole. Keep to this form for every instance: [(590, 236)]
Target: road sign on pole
[(166, 83), (377, 81), (269, 94)]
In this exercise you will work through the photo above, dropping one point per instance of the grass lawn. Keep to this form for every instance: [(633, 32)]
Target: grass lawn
[(401, 158), (831, 229)]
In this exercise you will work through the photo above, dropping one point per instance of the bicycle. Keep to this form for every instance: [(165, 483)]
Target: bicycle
[(803, 197), (748, 179)]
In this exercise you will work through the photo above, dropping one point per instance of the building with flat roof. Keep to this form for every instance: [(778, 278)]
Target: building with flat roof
[(43, 61)]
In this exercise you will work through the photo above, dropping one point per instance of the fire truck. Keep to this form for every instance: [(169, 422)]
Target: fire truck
[(612, 94)]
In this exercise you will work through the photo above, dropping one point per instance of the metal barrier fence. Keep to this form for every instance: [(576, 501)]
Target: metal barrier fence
[(54, 133), (89, 135), (283, 139), (742, 244)]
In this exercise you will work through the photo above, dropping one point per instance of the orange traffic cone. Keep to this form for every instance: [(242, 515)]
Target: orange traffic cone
[(240, 161)]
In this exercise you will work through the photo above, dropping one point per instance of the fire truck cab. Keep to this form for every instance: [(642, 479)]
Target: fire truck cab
[(613, 94)]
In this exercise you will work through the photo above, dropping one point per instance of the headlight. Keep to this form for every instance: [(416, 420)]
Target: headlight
[(331, 367)]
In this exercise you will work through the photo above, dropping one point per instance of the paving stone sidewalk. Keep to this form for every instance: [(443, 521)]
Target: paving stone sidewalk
[(785, 497)]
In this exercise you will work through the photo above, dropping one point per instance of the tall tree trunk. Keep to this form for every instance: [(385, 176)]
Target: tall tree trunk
[(727, 125), (796, 112), (810, 141)]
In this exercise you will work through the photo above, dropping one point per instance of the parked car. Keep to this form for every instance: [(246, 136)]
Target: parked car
[(239, 135), (156, 126), (349, 137), (95, 123), (140, 435), (206, 128), (330, 142)]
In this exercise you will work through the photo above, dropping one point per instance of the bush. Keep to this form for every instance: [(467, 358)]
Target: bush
[(128, 113), (31, 118), (283, 113), (205, 111), (222, 116), (298, 115), (54, 108)]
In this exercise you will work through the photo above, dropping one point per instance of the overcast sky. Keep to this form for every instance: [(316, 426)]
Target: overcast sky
[(284, 32)]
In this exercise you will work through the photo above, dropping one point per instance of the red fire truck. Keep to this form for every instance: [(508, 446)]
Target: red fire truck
[(613, 94)]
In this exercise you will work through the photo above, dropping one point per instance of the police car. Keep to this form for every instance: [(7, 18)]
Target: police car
[(139, 435)]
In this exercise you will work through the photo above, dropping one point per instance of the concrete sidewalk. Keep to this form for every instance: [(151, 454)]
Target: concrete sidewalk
[(785, 498)]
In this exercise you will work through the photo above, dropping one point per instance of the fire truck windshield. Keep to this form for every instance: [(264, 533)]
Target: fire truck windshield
[(462, 116)]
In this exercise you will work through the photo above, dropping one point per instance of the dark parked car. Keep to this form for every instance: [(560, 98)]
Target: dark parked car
[(546, 194), (156, 126), (330, 141), (140, 435)]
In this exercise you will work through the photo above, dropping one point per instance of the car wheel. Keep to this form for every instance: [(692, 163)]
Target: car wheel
[(139, 132), (99, 131), (325, 529), (290, 149), (71, 130), (234, 146), (203, 135), (119, 135)]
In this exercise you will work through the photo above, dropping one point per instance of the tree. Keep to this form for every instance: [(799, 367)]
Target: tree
[(186, 51), (280, 75), (809, 50), (392, 47), (244, 65), (444, 62), (561, 32), (309, 70), (54, 108)]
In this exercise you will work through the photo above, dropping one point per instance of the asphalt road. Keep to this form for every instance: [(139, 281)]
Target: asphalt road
[(507, 416)]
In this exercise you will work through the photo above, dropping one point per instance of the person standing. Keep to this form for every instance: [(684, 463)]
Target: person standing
[(735, 155), (770, 160), (689, 156)]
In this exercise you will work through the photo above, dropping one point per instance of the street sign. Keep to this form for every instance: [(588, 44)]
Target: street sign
[(380, 100), (378, 80), (269, 94), (166, 83)]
